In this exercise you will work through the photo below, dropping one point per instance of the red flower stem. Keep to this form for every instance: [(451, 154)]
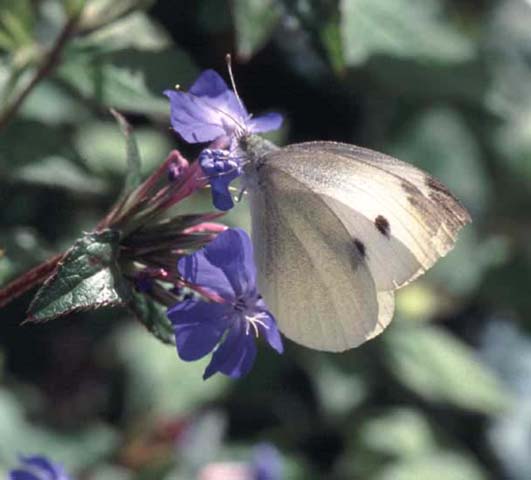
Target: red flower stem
[(28, 280), (163, 296)]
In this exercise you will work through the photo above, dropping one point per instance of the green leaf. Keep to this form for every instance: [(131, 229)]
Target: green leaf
[(115, 36), (338, 392), (103, 12), (400, 432), (438, 466), (153, 316), (401, 77), (87, 278), (113, 87), (463, 270), (441, 369), (331, 38), (59, 172), (163, 385), (400, 28), (50, 104), (254, 21), (100, 144), (134, 164), (513, 141), (16, 21)]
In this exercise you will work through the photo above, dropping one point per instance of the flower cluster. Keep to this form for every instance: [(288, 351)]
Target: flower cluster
[(230, 313), (211, 112)]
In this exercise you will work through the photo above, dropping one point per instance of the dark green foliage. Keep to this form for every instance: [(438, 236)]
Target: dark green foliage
[(444, 84)]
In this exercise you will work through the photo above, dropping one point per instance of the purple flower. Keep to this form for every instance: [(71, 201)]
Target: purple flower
[(38, 468), (210, 110), (221, 169), (266, 463), (224, 269)]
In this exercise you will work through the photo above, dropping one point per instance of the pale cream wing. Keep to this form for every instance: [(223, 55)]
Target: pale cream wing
[(400, 218), (311, 274)]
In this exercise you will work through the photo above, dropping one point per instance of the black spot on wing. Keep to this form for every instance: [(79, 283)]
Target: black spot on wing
[(410, 189), (360, 246), (382, 224)]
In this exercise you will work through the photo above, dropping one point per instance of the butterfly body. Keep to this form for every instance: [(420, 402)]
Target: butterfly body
[(337, 228)]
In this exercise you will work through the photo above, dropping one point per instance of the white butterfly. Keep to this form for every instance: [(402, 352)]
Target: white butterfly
[(336, 230)]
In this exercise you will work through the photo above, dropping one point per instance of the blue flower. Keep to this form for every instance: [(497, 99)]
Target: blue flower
[(266, 463), (221, 168), (210, 110), (38, 468), (225, 270)]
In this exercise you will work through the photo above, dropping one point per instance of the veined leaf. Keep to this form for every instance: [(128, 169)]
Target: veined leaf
[(134, 164), (88, 277)]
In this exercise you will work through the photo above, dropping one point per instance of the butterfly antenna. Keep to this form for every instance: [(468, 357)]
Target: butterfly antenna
[(228, 59)]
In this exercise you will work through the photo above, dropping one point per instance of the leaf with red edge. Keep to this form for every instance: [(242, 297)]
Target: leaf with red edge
[(88, 277)]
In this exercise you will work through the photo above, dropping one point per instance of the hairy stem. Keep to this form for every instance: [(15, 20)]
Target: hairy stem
[(28, 280)]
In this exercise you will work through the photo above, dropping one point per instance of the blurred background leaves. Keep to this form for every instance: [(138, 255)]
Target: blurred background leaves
[(444, 84)]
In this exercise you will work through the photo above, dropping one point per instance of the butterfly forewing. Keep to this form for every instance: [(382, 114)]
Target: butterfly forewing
[(400, 219)]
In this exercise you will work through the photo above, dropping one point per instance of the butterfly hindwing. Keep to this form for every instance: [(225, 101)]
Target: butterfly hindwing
[(312, 276)]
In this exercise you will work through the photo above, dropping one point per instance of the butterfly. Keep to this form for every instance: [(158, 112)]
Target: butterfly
[(336, 230)]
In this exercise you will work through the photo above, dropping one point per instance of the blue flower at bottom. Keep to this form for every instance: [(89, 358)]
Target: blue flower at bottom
[(38, 468), (224, 269), (221, 169), (266, 462)]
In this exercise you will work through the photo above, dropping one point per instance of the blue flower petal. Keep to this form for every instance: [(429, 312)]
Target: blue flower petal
[(22, 475), (209, 84), (266, 462), (221, 196), (198, 270), (194, 119), (221, 169), (41, 463), (232, 252), (37, 468), (235, 356), (265, 123), (209, 109), (198, 327), (270, 332)]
